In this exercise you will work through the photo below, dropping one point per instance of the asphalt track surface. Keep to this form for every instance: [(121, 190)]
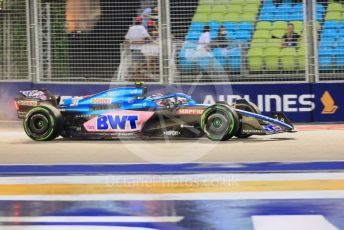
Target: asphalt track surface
[(311, 143)]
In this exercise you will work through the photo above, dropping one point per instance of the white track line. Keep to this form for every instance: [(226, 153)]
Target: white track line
[(275, 195), (72, 227), (93, 219), (134, 179)]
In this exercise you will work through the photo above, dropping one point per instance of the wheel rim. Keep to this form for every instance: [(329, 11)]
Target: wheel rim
[(217, 125), (38, 124), (217, 122)]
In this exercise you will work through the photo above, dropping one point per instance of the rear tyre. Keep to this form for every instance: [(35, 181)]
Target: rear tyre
[(43, 123), (219, 122)]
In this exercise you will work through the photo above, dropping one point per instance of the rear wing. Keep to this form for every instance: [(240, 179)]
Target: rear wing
[(31, 98)]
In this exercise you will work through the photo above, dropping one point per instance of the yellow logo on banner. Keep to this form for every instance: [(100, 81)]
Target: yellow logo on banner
[(329, 104)]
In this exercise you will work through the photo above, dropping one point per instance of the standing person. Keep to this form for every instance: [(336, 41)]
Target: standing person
[(150, 14), (291, 38), (136, 37)]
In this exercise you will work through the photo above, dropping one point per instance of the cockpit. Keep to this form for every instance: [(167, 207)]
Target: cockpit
[(171, 100)]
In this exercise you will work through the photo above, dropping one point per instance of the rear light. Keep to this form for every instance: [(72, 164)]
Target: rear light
[(16, 105)]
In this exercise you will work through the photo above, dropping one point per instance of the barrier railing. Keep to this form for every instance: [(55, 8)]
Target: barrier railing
[(189, 41), (330, 41), (139, 67), (246, 40), (14, 50), (229, 64)]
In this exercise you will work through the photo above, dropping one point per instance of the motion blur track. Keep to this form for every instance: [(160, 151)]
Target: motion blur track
[(323, 142), (290, 181), (258, 196)]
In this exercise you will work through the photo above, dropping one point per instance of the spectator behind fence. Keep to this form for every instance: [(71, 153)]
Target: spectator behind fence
[(290, 39), (151, 52), (205, 39), (221, 40), (136, 37), (203, 48), (150, 14), (277, 2)]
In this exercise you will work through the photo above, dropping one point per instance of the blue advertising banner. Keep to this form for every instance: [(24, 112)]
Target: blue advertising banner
[(295, 100), (301, 102)]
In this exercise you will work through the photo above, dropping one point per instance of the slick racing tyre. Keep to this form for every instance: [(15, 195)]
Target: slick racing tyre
[(219, 122), (43, 123), (251, 107)]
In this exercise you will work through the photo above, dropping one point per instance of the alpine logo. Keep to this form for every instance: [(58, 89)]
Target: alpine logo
[(117, 122)]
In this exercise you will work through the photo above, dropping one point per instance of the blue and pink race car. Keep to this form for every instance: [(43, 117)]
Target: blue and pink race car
[(129, 112)]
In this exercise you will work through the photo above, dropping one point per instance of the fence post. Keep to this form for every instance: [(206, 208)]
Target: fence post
[(28, 38), (311, 40), (315, 41), (33, 40), (165, 46), (45, 35)]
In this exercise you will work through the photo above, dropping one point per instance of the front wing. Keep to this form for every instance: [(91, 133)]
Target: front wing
[(258, 124)]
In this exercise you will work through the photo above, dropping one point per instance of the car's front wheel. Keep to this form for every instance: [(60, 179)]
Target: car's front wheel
[(219, 122), (43, 123)]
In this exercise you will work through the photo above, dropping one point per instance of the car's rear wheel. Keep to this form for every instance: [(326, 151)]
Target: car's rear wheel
[(219, 122), (43, 123)]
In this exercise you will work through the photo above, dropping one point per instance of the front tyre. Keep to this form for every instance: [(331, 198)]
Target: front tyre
[(43, 123), (219, 122)]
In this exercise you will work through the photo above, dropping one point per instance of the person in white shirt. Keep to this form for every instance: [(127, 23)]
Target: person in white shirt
[(203, 51), (205, 39), (204, 45), (136, 37)]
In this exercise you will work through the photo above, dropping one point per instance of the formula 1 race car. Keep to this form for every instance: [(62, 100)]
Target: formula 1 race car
[(130, 112)]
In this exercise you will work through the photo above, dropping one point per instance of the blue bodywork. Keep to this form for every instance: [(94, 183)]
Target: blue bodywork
[(126, 98), (134, 98)]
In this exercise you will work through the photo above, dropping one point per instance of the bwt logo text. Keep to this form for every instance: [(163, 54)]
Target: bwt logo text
[(116, 122), (268, 103)]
